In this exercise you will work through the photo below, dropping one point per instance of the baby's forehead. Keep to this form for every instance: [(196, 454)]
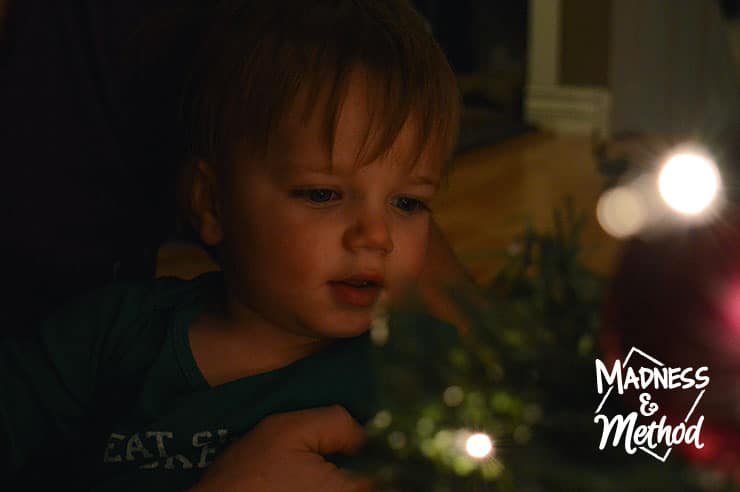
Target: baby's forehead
[(420, 171), (303, 147)]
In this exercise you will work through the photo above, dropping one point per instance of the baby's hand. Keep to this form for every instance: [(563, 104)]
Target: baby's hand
[(285, 452)]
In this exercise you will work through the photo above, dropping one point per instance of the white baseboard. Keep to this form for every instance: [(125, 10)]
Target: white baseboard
[(569, 110)]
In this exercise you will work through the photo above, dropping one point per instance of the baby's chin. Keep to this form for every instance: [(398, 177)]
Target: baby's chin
[(343, 321), (343, 326)]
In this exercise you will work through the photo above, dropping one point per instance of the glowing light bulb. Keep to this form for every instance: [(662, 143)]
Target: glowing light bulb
[(689, 183), (478, 445)]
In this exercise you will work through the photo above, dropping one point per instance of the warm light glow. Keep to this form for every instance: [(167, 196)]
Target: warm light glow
[(479, 445), (621, 212), (689, 183)]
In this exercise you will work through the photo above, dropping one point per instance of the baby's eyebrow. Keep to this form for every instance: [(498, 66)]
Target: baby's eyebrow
[(425, 180), (290, 167), (322, 166)]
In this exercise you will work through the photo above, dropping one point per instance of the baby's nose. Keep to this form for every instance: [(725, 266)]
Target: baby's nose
[(370, 231)]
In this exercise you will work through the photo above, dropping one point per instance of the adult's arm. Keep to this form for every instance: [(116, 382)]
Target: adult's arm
[(87, 161), (57, 388), (3, 10), (444, 287)]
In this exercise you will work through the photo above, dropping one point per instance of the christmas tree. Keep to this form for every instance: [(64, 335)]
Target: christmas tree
[(510, 406)]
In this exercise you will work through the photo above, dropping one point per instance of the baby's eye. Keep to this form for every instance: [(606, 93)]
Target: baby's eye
[(410, 205), (316, 195)]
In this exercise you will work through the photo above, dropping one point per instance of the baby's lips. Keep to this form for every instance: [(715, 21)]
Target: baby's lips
[(375, 278)]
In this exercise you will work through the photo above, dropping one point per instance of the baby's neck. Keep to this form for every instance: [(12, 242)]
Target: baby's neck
[(226, 350)]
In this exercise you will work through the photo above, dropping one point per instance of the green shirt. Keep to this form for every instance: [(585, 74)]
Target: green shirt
[(112, 378)]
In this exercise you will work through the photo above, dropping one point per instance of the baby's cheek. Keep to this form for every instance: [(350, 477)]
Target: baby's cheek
[(414, 263), (409, 257)]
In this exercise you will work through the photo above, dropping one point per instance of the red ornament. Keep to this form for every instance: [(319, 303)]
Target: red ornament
[(677, 298)]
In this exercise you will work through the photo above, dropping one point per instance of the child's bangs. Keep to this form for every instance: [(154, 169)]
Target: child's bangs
[(256, 69), (430, 110), (395, 98)]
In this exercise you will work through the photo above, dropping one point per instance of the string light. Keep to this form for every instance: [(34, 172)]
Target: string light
[(479, 445), (379, 330), (689, 182), (687, 187)]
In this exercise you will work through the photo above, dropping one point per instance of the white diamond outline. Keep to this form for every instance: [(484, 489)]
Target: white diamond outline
[(655, 361)]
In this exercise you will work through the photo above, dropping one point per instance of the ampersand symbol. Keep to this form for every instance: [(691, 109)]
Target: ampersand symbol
[(647, 408)]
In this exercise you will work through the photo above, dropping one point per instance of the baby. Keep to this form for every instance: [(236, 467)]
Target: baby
[(319, 134)]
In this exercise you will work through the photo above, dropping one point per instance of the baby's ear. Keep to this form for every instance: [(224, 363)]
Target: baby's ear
[(205, 203)]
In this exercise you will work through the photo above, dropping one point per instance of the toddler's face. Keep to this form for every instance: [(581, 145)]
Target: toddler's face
[(295, 232)]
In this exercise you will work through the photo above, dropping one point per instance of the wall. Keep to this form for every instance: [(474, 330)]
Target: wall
[(671, 69), (584, 44)]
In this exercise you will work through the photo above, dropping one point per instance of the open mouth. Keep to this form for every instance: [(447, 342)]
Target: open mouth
[(360, 284), (361, 293)]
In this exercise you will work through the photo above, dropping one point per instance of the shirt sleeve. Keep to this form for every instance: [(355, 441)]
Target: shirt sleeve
[(48, 384)]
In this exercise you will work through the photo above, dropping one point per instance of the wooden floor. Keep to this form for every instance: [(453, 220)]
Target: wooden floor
[(491, 192), (495, 190)]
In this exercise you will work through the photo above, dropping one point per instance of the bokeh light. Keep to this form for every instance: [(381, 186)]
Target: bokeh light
[(621, 212), (453, 396)]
